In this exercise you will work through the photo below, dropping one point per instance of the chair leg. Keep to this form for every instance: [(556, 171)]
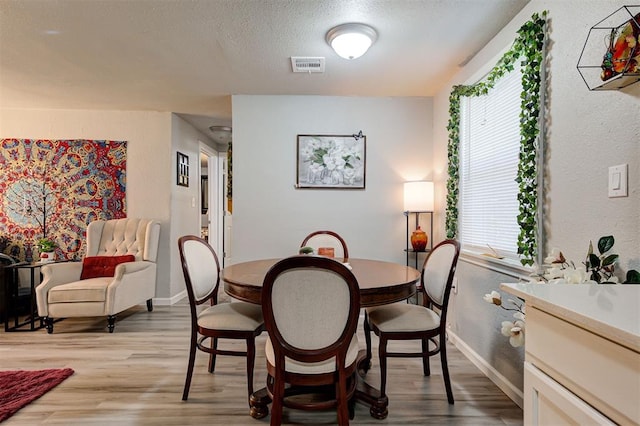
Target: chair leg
[(192, 360), (426, 368), (352, 408), (276, 406), (212, 355), (251, 357), (341, 396), (352, 402), (367, 337), (382, 356), (149, 305), (111, 320), (48, 322), (445, 369)]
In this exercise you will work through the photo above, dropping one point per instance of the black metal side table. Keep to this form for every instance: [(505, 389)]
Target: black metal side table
[(14, 296)]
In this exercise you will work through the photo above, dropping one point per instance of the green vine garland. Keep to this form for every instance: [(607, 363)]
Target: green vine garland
[(529, 45)]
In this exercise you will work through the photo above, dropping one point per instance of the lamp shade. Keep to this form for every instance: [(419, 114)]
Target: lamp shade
[(418, 196), (351, 41)]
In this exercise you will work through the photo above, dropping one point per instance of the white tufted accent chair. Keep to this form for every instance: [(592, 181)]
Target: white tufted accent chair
[(62, 294)]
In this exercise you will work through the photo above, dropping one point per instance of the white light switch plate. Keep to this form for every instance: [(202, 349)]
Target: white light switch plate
[(618, 181)]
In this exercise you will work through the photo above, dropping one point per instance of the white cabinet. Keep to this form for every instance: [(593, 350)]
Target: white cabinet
[(582, 355), (546, 402)]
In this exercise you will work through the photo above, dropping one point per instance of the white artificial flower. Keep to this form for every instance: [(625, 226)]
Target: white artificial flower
[(519, 315), (555, 256), (514, 331), (554, 273), (493, 297), (575, 276), (517, 334), (506, 328)]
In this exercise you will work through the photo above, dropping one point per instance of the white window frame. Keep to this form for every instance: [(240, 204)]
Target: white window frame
[(489, 148)]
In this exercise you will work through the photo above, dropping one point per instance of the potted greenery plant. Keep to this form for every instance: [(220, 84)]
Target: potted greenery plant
[(306, 250), (47, 249)]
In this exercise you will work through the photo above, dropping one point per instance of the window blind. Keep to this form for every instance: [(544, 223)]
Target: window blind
[(489, 148)]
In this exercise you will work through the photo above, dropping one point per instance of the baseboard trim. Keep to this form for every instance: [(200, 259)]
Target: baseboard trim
[(487, 369), (167, 301)]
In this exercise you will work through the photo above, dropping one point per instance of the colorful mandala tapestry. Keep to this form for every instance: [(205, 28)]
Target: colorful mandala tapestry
[(54, 188)]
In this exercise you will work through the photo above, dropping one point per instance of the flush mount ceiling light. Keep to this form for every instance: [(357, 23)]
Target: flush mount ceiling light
[(352, 40), (221, 134)]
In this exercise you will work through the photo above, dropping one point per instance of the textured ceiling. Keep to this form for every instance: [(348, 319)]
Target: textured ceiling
[(190, 56)]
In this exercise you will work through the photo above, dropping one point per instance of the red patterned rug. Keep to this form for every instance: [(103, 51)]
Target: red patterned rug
[(19, 388)]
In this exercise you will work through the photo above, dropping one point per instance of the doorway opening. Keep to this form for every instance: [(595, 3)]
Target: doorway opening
[(211, 207)]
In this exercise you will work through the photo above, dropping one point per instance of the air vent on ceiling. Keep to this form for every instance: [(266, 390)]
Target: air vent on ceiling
[(307, 64)]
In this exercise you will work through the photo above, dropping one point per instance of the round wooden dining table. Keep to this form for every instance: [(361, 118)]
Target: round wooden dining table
[(380, 283)]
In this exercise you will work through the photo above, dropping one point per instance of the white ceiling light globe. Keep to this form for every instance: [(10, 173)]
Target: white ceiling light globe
[(351, 41), (351, 46)]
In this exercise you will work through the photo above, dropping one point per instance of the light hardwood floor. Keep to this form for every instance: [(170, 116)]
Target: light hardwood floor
[(135, 376)]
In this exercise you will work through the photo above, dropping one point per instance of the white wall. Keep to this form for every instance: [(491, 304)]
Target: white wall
[(271, 217), (185, 201), (152, 139), (587, 132)]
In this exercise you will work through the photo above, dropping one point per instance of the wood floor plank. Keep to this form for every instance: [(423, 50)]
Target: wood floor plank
[(135, 376)]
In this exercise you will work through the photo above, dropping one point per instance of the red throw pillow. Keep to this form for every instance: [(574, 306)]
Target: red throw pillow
[(102, 266)]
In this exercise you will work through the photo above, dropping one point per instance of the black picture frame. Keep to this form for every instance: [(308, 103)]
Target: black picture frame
[(204, 195), (182, 172)]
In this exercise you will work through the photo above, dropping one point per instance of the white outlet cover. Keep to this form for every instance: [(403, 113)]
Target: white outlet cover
[(618, 181)]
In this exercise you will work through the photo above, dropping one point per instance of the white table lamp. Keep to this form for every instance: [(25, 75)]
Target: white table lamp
[(418, 196)]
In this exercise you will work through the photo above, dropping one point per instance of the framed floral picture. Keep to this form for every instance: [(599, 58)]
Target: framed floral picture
[(331, 161)]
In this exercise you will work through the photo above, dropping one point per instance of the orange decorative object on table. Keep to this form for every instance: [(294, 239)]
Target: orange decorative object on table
[(326, 251), (419, 239)]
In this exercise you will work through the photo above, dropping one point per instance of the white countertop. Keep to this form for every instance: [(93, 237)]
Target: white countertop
[(611, 311)]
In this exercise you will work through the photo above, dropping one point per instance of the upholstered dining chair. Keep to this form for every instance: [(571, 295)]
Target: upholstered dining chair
[(330, 239), (235, 320), (117, 272), (426, 322), (311, 306)]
